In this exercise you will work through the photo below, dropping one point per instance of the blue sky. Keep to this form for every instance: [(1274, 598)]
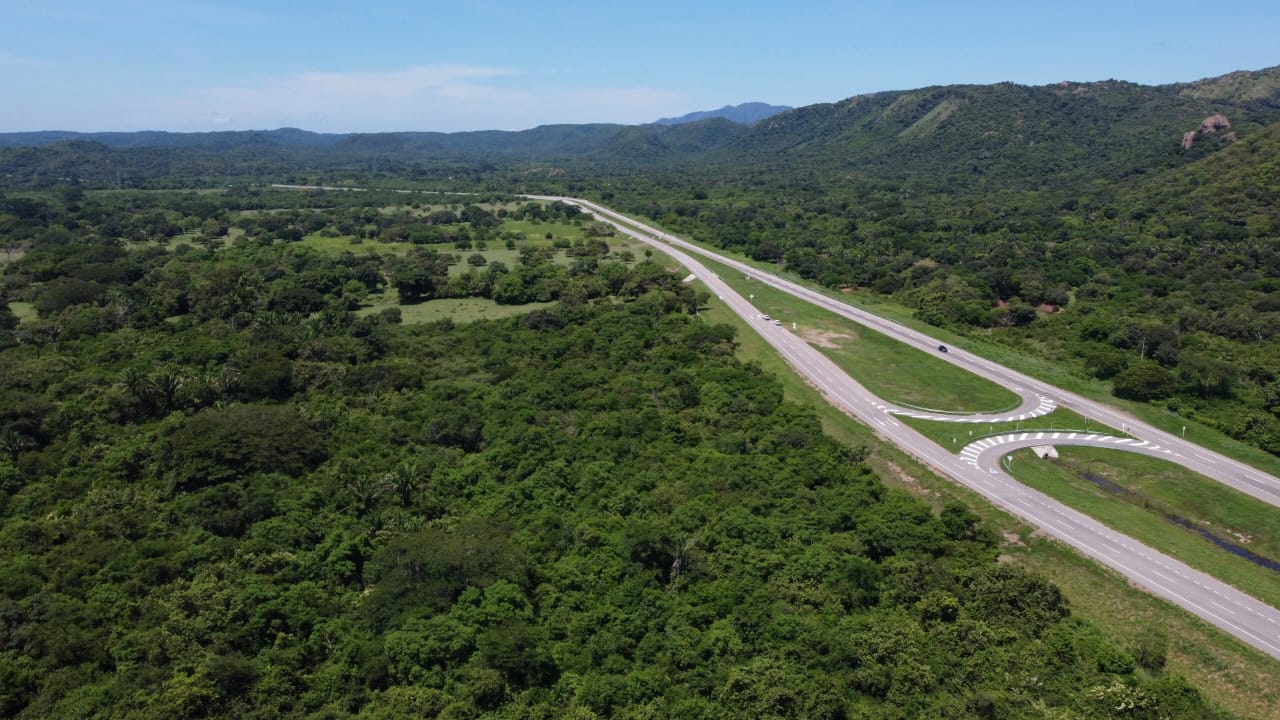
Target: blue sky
[(499, 64)]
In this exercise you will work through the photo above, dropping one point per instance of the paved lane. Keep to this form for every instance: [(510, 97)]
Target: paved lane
[(1212, 600), (1230, 472)]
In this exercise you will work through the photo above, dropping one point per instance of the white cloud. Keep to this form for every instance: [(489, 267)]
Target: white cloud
[(435, 97)]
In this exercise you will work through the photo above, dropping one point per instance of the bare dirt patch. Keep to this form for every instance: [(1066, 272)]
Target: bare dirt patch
[(909, 481), (824, 338), (1040, 534)]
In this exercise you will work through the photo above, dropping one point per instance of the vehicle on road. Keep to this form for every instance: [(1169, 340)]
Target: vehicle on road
[(942, 348)]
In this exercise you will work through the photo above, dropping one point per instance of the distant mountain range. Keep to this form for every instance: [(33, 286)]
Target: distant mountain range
[(979, 137), (582, 136), (744, 114)]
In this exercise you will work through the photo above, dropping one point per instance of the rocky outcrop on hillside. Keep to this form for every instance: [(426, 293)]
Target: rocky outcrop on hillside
[(1211, 124), (1214, 123)]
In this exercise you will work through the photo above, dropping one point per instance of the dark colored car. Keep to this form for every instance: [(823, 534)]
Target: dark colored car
[(942, 348)]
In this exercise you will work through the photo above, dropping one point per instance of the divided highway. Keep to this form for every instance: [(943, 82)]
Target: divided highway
[(978, 469), (1228, 471)]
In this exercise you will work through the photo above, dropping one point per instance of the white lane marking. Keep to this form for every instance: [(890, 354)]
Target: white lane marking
[(1174, 594), (1224, 607)]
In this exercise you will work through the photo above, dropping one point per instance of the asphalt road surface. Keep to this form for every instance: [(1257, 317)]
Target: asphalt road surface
[(978, 468), (1216, 466)]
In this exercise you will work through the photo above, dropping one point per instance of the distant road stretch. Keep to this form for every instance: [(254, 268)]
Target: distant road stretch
[(978, 466)]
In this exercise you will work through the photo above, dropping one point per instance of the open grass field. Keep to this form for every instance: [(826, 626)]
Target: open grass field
[(500, 254), (1145, 526), (524, 233), (24, 311), (533, 230), (10, 255), (431, 202), (337, 245), (891, 370), (955, 436), (459, 310), (1241, 679), (169, 244)]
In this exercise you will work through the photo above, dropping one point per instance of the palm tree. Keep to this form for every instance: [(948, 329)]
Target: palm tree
[(133, 382), (165, 384), (681, 550), (363, 492), (405, 480), (226, 382), (13, 442)]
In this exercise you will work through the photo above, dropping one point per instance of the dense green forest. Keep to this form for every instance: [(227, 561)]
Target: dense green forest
[(1067, 220), (229, 490), (237, 479)]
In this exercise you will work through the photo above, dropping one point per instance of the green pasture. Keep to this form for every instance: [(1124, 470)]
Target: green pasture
[(24, 311), (460, 310), (339, 244), (11, 255)]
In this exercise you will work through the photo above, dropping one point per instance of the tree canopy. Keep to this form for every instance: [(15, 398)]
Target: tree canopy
[(215, 505)]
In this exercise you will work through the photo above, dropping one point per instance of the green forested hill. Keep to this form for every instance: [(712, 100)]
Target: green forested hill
[(224, 494), (964, 139), (995, 136), (961, 138)]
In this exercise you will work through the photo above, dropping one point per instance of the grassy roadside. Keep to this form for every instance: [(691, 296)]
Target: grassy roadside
[(1036, 367), (889, 369), (1140, 523), (1166, 488), (1158, 488), (1243, 680)]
